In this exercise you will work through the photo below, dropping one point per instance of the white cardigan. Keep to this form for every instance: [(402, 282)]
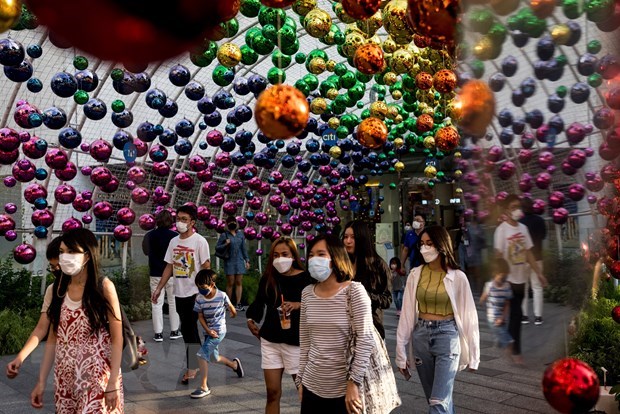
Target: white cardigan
[(465, 316)]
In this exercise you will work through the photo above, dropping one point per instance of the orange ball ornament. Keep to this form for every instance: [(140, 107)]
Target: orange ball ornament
[(542, 8), (281, 112), (361, 9), (436, 19), (372, 133), (477, 107), (447, 139), (444, 81), (369, 59), (425, 123), (424, 81)]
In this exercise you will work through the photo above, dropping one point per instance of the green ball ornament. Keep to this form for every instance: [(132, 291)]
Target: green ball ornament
[(440, 156), (431, 184), (339, 38), (360, 105), (362, 77), (481, 20), (303, 87), (280, 60), (365, 114), (80, 97), (391, 170), (250, 8), (572, 8), (268, 15), (270, 32), (222, 76), (312, 81), (117, 74), (262, 45), (595, 80), (561, 91), (199, 59), (594, 46), (392, 186), (498, 33), (231, 27), (290, 48), (118, 106), (598, 10), (440, 175), (477, 68), (248, 55), (336, 108), (535, 27), (342, 132), (340, 69), (300, 58), (562, 60), (356, 92), (80, 62), (276, 76), (348, 80), (286, 34)]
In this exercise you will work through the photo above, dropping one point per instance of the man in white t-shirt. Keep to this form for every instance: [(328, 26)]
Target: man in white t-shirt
[(187, 253), (512, 242)]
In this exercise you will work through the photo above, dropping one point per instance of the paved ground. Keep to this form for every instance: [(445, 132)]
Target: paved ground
[(497, 387)]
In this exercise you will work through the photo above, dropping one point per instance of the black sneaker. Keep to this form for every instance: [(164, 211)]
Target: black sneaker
[(158, 337), (538, 320), (239, 369), (240, 308), (175, 335), (525, 320), (200, 393)]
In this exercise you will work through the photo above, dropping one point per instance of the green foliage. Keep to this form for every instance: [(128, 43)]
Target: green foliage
[(15, 328), (598, 335), (20, 290), (250, 284), (134, 292), (569, 278)]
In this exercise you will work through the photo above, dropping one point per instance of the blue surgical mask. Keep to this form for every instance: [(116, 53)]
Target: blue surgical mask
[(319, 268), (204, 292)]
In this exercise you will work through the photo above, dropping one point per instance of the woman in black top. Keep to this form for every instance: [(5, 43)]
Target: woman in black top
[(370, 269), (280, 287)]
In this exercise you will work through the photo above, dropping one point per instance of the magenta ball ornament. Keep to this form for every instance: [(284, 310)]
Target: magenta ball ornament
[(595, 183), (10, 235), (543, 180), (259, 252), (255, 203), (125, 216), (103, 210), (65, 194), (141, 147), (506, 170), (10, 208), (68, 173), (161, 169), (100, 176), (162, 198), (560, 215), (24, 253), (122, 233), (130, 185), (214, 138), (577, 158), (229, 208), (261, 218), (575, 133), (147, 222), (592, 199), (567, 168), (217, 200), (267, 232), (525, 156), (183, 181), (209, 188), (43, 218), (545, 159), (136, 174), (56, 158), (222, 159), (576, 192), (556, 199), (6, 223), (197, 163), (495, 153), (87, 219), (539, 206), (34, 191), (140, 195), (32, 150), (204, 175), (100, 150), (249, 233), (86, 170), (9, 139), (81, 204), (71, 224), (24, 171)]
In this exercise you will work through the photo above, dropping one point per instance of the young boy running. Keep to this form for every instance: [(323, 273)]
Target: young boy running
[(211, 305)]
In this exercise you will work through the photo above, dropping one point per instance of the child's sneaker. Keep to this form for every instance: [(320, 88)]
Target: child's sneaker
[(239, 369), (200, 393)]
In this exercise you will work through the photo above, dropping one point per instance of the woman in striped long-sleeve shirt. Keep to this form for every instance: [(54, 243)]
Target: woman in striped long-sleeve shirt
[(325, 381)]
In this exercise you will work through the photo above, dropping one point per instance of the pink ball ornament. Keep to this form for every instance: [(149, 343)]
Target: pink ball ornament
[(136, 174), (122, 233), (56, 158), (306, 225), (539, 206), (545, 159), (592, 199), (65, 194), (197, 163), (68, 173), (43, 218), (6, 223), (9, 139), (560, 216), (111, 186), (147, 222), (130, 185), (506, 170), (24, 171), (101, 150), (125, 216), (570, 386), (81, 204), (103, 210), (24, 136), (100, 176), (140, 195), (71, 224), (24, 253), (87, 219), (9, 181), (240, 203), (85, 147), (34, 191), (10, 208), (543, 180), (229, 208), (259, 252), (183, 181), (576, 192), (556, 199), (32, 150), (10, 235), (161, 169)]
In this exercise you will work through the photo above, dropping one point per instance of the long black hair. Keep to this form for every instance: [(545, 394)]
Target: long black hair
[(443, 243), (94, 302), (369, 266), (341, 265)]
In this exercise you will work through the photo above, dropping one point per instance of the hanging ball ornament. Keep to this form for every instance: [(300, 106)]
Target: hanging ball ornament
[(277, 4), (24, 253), (9, 14), (281, 112), (229, 55), (447, 139), (436, 19), (570, 386), (361, 9), (317, 23), (477, 104), (372, 133), (444, 81), (369, 59)]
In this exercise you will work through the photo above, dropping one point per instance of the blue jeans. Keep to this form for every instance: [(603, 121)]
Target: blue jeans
[(502, 337), (397, 295), (436, 350)]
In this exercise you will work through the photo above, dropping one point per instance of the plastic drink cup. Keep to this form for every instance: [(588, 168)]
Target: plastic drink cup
[(285, 318)]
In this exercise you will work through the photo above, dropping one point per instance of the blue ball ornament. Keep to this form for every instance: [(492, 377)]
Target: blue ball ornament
[(184, 128), (54, 118), (304, 166), (228, 144), (249, 148), (34, 85), (520, 38), (293, 148), (510, 64), (260, 159), (587, 64), (231, 118), (206, 105), (257, 84), (40, 174), (535, 118), (35, 120), (241, 87), (556, 123), (545, 48), (125, 85), (194, 91), (528, 87), (243, 137), (238, 159), (120, 139), (219, 99), (202, 125), (11, 52), (41, 145), (87, 80), (244, 113), (579, 92), (70, 138), (517, 97), (170, 109), (183, 147), (555, 104), (313, 145), (506, 136), (40, 232), (288, 161), (262, 138), (168, 137), (555, 70), (312, 125), (155, 99), (40, 203), (34, 51), (141, 82), (95, 109), (518, 126), (230, 128), (146, 132), (20, 72), (249, 215), (122, 119), (203, 145), (63, 84), (497, 81), (505, 118), (213, 119), (179, 75)]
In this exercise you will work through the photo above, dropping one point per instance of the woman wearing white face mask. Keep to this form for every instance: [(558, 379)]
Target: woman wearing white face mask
[(439, 317), (326, 382), (280, 287)]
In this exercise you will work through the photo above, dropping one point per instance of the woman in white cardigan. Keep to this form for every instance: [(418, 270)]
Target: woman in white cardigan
[(440, 321)]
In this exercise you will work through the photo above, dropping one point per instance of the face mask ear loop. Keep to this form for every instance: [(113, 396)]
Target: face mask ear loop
[(58, 288)]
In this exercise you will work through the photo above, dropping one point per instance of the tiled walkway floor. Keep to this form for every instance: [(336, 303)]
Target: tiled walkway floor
[(498, 387)]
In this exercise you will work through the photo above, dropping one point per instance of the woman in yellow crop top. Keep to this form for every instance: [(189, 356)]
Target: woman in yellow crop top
[(439, 317)]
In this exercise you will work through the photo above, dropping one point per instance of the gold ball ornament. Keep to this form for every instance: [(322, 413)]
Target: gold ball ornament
[(372, 133), (484, 48), (458, 174), (430, 171), (560, 34), (332, 94), (444, 81), (429, 143), (395, 22), (369, 59), (402, 61), (398, 119), (458, 190), (399, 142), (352, 42), (229, 55), (281, 112), (10, 10), (317, 22), (317, 65), (425, 123), (330, 65), (399, 166), (318, 106), (504, 7), (397, 95), (378, 109), (477, 103), (333, 122), (390, 78), (457, 155), (361, 9), (370, 26), (424, 81), (376, 40), (392, 112), (436, 19), (303, 7), (454, 111), (447, 138), (542, 8), (389, 45), (335, 151)]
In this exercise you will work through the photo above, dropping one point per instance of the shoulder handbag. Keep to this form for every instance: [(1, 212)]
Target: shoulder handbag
[(223, 252), (378, 390)]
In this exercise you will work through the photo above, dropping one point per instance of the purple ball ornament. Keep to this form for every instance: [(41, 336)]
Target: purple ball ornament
[(525, 184), (543, 180), (34, 191), (147, 222), (65, 194), (122, 233), (101, 150), (71, 224), (217, 200), (592, 199), (556, 199), (68, 173), (161, 169), (103, 210), (259, 252), (240, 203), (100, 176), (261, 218), (86, 170), (161, 197), (267, 232), (130, 185), (229, 208), (125, 216), (10, 208), (10, 235), (6, 223), (249, 233), (576, 192), (24, 253), (43, 218), (140, 195), (183, 181), (56, 158), (209, 188), (81, 204), (87, 219), (560, 216)]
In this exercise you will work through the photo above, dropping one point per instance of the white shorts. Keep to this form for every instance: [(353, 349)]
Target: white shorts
[(278, 356)]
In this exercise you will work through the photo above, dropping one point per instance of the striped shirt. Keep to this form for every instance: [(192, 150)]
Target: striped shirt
[(496, 299), (214, 310), (324, 337), (431, 294)]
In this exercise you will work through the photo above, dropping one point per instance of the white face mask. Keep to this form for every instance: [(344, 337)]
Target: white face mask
[(517, 214), (429, 253), (72, 263), (417, 225), (182, 227), (407, 228), (319, 269), (283, 264)]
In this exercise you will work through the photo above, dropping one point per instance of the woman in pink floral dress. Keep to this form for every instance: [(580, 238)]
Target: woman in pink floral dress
[(85, 339)]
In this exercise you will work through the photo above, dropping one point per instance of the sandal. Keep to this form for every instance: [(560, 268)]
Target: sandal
[(187, 376)]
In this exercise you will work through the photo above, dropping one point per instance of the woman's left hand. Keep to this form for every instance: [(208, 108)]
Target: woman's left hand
[(352, 399), (291, 306), (112, 399)]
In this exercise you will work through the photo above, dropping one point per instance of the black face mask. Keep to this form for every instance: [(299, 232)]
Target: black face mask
[(232, 226)]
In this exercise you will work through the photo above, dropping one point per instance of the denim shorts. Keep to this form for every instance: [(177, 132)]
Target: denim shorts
[(210, 347)]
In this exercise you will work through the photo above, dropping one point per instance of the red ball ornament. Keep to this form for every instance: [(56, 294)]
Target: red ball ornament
[(361, 9), (570, 386), (615, 314)]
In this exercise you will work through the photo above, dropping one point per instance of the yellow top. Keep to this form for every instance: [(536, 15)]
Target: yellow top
[(431, 294)]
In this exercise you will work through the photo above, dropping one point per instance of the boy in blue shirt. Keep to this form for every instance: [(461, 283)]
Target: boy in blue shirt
[(497, 295), (211, 305)]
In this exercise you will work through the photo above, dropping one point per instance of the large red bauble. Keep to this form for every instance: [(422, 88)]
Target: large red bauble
[(361, 9), (436, 19), (134, 32), (570, 386), (615, 314)]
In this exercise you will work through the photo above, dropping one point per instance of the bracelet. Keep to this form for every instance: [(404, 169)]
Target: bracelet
[(108, 392), (250, 320)]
